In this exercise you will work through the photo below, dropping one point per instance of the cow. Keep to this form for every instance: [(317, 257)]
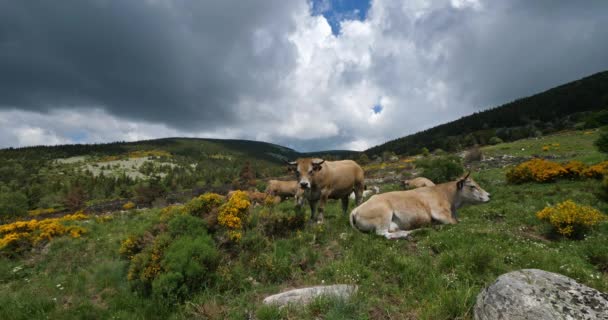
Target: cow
[(322, 180), (395, 214), (417, 183), (284, 190), (366, 193)]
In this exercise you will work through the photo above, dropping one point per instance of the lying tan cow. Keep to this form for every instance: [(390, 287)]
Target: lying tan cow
[(417, 183), (395, 214), (284, 190), (322, 180)]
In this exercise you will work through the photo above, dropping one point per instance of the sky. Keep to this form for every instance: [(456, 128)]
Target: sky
[(310, 75)]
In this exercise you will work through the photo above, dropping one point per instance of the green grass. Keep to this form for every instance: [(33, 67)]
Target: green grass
[(573, 145), (435, 275)]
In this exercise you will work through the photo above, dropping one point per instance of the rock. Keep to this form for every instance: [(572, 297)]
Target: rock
[(537, 294), (304, 296)]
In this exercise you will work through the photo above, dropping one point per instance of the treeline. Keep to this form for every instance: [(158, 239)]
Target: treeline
[(579, 104)]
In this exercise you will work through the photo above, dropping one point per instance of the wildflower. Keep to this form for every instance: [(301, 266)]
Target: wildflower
[(569, 218)]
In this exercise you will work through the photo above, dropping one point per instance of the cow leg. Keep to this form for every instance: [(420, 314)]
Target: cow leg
[(321, 208), (393, 235), (313, 210), (359, 187), (345, 205), (444, 217)]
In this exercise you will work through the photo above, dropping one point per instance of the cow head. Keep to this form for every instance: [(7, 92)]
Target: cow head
[(470, 191), (306, 169)]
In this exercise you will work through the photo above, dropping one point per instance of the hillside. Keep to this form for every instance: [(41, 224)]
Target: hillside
[(568, 106), (149, 173), (436, 274)]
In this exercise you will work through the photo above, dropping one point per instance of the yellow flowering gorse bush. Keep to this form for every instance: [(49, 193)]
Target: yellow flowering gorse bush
[(539, 170), (569, 218), (129, 205), (575, 169), (597, 170), (34, 231), (232, 213), (40, 212)]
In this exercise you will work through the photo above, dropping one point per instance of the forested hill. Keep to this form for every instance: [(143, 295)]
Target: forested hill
[(187, 147), (577, 104)]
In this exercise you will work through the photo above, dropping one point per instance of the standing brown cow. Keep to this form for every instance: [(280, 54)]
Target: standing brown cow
[(322, 180)]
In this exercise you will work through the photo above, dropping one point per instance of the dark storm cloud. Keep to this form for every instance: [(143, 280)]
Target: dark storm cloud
[(272, 70), (183, 63), (513, 49)]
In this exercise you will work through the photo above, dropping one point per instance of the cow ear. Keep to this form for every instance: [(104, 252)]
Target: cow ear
[(317, 167), (291, 166), (460, 184)]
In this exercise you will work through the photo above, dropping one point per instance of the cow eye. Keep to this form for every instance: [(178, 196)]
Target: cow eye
[(472, 187), (310, 172)]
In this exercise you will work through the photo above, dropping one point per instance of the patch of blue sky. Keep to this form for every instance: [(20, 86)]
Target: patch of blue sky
[(78, 136), (336, 11), (377, 108)]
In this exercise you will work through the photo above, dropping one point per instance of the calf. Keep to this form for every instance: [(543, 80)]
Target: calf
[(395, 214)]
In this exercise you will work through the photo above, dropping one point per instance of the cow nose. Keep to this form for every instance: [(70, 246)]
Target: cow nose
[(304, 185)]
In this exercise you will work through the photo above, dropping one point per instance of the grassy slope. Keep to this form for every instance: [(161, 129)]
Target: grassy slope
[(436, 275)]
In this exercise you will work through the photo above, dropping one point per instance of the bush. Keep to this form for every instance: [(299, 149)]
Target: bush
[(204, 204), (232, 213), (570, 219), (22, 235), (597, 170), (473, 155), (575, 169), (129, 205), (186, 225), (188, 265), (441, 169), (12, 204), (279, 222), (602, 142), (539, 170), (495, 140)]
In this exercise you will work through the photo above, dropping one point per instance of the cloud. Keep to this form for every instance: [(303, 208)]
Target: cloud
[(106, 70)]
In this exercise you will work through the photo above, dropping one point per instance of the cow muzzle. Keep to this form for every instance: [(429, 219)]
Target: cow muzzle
[(304, 184)]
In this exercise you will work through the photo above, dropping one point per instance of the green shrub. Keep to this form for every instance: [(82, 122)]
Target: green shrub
[(602, 142), (12, 204), (279, 222), (183, 225), (495, 140), (188, 265), (441, 169)]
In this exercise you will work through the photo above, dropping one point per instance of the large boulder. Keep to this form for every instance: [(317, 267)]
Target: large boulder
[(537, 294), (304, 296)]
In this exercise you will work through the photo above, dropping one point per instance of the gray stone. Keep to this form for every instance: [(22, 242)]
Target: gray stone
[(304, 296), (537, 294)]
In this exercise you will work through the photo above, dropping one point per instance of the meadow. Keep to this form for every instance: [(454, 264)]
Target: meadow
[(436, 274)]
